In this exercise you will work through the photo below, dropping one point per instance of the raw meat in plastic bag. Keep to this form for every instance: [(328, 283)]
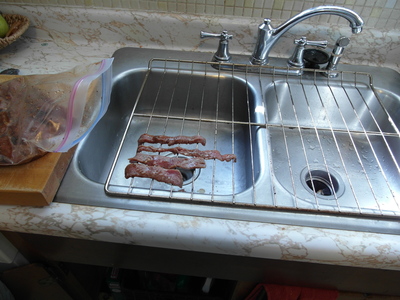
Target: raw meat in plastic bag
[(51, 113)]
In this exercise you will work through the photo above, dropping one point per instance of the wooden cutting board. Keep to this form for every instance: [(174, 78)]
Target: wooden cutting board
[(36, 182)]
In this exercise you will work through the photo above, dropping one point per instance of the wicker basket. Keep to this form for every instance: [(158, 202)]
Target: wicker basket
[(20, 23)]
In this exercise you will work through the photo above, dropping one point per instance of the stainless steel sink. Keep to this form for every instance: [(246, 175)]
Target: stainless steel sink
[(310, 150)]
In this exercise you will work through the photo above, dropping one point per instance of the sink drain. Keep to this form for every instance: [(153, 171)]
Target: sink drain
[(189, 175), (323, 183)]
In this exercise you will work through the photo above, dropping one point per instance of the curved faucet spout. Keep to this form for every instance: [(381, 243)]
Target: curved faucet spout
[(268, 36)]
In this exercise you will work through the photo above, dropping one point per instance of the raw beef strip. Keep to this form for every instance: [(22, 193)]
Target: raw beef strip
[(171, 140), (206, 154), (171, 176), (169, 162)]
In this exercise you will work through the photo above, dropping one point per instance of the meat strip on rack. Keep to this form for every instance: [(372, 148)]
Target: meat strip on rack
[(171, 140), (169, 162), (171, 176), (206, 154)]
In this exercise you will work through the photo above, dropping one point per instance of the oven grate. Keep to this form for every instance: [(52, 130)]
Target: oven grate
[(302, 142)]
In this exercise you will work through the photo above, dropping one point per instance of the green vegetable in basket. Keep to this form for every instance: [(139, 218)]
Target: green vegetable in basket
[(3, 27)]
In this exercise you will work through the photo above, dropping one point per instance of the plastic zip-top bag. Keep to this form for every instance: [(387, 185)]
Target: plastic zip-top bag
[(52, 112)]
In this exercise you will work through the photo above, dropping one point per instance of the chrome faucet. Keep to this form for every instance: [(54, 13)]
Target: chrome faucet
[(268, 35)]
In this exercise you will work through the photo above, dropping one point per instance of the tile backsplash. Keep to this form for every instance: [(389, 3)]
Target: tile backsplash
[(379, 14)]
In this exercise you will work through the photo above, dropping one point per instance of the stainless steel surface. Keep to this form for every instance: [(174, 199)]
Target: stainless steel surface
[(222, 53), (337, 136), (296, 60), (268, 35)]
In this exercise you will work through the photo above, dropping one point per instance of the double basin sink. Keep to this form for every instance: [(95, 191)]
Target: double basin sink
[(310, 150)]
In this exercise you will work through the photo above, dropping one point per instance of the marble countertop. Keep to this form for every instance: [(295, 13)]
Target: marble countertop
[(60, 38)]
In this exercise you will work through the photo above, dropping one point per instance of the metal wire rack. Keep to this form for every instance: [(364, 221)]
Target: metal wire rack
[(302, 142)]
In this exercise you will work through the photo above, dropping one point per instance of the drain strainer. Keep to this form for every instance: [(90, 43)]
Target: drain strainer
[(324, 183)]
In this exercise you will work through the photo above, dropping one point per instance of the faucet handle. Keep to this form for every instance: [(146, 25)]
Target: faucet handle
[(223, 35), (304, 42), (222, 53), (296, 60)]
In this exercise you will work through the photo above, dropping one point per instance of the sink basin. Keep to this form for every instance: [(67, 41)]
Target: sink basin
[(310, 150), (336, 138), (176, 100)]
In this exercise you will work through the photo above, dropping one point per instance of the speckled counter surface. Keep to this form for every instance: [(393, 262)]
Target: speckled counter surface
[(262, 240), (60, 38)]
